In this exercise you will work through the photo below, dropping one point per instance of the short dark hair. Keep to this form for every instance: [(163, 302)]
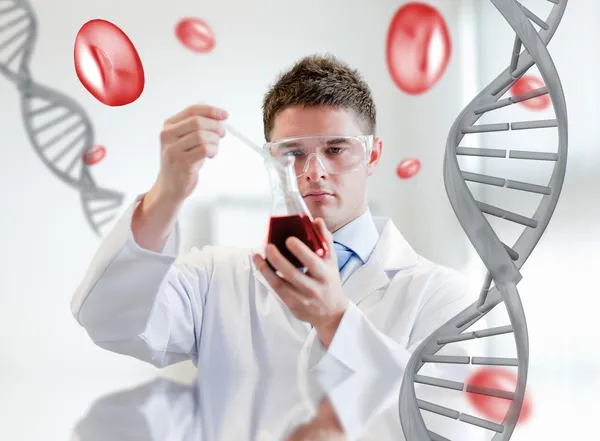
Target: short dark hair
[(320, 80)]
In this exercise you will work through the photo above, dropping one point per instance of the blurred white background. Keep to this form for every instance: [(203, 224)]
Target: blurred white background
[(47, 243)]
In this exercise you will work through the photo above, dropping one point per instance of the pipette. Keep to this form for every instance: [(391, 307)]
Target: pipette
[(268, 158), (249, 143)]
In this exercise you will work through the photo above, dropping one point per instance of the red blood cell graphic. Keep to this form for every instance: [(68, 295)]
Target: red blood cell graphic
[(107, 64), (527, 83), (195, 34), (93, 155), (407, 168), (491, 407), (418, 47)]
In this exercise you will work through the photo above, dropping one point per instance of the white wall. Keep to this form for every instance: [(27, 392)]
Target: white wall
[(47, 244)]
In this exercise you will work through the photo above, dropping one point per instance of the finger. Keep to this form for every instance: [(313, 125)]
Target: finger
[(276, 282), (194, 140), (282, 288), (200, 153), (328, 237), (304, 284), (198, 110), (308, 258), (189, 125)]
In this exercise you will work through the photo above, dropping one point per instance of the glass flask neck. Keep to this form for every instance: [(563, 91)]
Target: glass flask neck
[(287, 200)]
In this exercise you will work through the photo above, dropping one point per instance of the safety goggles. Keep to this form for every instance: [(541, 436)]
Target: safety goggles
[(336, 154)]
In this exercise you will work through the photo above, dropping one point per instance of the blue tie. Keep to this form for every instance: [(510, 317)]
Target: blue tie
[(343, 254)]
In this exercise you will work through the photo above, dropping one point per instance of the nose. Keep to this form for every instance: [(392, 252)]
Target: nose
[(313, 168)]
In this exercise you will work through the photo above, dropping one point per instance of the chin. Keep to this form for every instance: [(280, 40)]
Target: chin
[(317, 210), (323, 209)]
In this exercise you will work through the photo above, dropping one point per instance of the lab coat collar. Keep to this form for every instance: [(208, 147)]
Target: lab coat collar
[(392, 250), (391, 254)]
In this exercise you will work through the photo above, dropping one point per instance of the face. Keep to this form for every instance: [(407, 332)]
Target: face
[(342, 198)]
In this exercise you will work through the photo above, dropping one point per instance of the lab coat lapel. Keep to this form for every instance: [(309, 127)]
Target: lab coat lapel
[(364, 280), (391, 254)]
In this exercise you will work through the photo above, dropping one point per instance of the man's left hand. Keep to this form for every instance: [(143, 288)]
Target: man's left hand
[(315, 297)]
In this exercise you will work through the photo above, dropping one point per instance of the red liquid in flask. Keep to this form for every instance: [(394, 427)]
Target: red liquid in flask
[(300, 226)]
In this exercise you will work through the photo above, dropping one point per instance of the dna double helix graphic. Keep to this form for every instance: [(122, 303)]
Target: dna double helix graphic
[(57, 126), (503, 262)]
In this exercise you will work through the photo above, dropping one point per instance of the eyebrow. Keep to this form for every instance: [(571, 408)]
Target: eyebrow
[(291, 144), (336, 141), (286, 145)]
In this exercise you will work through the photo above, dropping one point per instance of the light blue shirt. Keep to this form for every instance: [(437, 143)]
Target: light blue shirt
[(360, 236)]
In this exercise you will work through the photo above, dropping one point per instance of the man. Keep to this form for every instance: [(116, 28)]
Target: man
[(370, 301)]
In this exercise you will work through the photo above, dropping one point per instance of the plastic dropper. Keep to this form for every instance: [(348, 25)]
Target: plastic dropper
[(268, 158), (250, 144)]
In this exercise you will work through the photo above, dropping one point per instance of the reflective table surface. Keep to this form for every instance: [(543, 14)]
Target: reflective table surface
[(325, 406), (213, 406)]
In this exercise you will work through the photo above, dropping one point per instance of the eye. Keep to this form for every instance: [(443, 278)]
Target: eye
[(335, 150), (296, 152)]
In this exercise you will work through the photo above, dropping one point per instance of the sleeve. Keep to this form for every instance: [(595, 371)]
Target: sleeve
[(362, 398), (361, 347), (141, 303)]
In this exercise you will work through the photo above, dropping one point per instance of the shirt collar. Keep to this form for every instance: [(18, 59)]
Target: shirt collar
[(359, 235)]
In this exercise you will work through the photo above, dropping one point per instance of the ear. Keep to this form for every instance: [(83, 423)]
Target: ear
[(376, 151)]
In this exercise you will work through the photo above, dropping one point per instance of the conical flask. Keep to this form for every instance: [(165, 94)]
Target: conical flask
[(289, 213)]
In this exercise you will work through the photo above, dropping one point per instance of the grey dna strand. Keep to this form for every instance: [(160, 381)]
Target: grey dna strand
[(503, 261), (57, 126)]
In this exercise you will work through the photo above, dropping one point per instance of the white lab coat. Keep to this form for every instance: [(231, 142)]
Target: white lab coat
[(212, 306)]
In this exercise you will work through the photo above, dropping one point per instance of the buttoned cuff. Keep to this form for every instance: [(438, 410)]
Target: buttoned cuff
[(361, 399), (361, 347)]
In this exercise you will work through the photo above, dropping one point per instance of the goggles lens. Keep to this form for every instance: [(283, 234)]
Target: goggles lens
[(335, 154)]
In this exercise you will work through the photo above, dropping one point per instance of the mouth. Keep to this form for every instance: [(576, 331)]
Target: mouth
[(318, 195)]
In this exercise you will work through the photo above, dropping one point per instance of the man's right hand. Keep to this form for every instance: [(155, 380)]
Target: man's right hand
[(187, 139)]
